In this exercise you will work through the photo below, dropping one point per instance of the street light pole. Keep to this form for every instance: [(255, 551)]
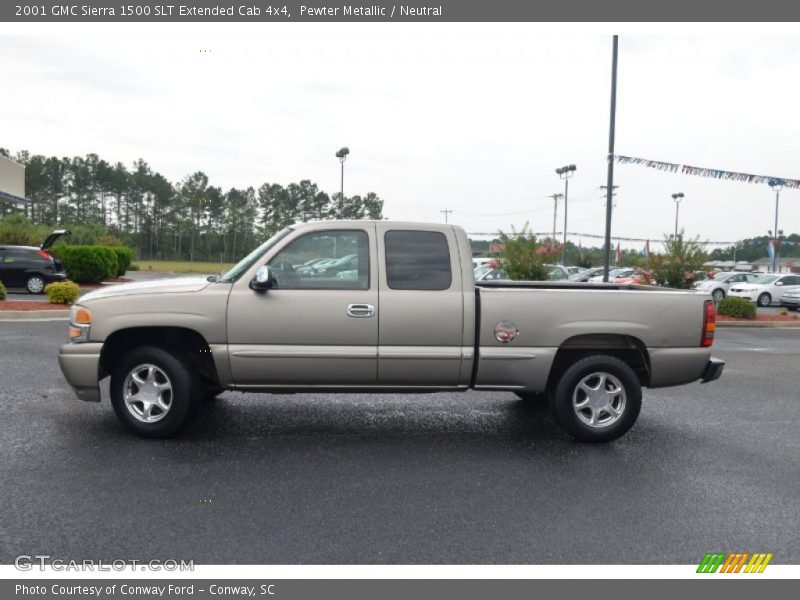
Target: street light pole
[(341, 154), (611, 134), (777, 185), (677, 197), (556, 198), (565, 173)]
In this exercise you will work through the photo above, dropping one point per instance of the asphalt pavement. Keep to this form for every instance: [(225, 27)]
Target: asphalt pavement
[(441, 478)]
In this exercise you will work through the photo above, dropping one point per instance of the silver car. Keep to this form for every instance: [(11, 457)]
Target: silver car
[(719, 286), (767, 289)]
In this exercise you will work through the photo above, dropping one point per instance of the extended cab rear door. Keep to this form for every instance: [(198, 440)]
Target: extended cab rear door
[(421, 321)]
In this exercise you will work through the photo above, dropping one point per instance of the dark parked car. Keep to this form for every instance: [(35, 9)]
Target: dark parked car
[(31, 267)]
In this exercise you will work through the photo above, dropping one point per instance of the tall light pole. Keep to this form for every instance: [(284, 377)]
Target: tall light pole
[(777, 185), (341, 154), (612, 128), (556, 198), (565, 173), (677, 197)]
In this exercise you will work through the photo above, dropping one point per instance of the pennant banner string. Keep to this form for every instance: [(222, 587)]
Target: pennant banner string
[(652, 240), (704, 172)]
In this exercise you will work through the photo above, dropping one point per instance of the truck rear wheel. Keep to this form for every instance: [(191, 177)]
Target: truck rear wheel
[(597, 399), (154, 393)]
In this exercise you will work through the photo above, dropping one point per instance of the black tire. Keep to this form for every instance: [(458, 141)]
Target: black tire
[(34, 284), (184, 396), (531, 397), (764, 299), (583, 371), (718, 294)]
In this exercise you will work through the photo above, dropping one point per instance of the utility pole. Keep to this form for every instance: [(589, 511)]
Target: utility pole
[(556, 198), (613, 193), (446, 213), (777, 185), (611, 132), (677, 198)]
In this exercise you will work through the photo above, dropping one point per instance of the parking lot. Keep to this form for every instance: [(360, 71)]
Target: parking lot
[(444, 478)]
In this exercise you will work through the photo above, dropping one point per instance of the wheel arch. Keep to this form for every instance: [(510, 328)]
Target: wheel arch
[(180, 340), (629, 349)]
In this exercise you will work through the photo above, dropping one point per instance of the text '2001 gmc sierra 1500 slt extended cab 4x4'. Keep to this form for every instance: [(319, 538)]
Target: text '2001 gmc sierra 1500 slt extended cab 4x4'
[(378, 306)]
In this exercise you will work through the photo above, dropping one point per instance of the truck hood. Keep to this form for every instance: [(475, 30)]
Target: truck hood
[(156, 286)]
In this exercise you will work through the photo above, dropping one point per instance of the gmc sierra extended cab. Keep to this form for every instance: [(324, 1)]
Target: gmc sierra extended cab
[(379, 306)]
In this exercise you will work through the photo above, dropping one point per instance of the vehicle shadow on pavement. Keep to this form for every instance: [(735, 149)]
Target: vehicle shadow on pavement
[(499, 416)]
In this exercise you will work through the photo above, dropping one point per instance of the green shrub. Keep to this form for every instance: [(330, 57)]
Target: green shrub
[(3, 292), (124, 258), (736, 307), (88, 264), (133, 267), (62, 292)]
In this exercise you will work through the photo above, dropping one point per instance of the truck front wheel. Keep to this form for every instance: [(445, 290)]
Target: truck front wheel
[(153, 392), (597, 399)]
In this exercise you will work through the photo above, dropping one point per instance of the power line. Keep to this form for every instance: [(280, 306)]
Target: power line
[(447, 212)]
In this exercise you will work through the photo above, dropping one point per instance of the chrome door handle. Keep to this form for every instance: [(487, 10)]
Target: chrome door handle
[(360, 310)]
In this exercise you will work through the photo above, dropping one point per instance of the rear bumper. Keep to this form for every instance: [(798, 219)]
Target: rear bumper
[(79, 363), (713, 370)]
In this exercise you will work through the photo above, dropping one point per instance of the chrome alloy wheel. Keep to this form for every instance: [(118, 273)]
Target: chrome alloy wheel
[(148, 393), (599, 400)]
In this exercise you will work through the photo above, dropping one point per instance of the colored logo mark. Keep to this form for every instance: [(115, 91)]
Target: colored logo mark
[(734, 562)]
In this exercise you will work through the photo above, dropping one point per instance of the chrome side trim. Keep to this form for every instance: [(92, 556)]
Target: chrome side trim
[(343, 352)]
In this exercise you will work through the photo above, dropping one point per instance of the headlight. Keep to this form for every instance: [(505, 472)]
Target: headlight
[(80, 322)]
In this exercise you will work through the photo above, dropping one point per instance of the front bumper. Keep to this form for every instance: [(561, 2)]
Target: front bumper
[(713, 370), (752, 296), (79, 363)]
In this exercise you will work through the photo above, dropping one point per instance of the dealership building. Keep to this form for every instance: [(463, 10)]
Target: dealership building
[(12, 182)]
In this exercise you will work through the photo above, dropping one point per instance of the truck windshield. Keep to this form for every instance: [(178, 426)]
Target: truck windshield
[(249, 260)]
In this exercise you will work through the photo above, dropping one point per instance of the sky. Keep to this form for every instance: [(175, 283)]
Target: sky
[(474, 118)]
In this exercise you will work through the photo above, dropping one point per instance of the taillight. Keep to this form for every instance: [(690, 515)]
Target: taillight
[(709, 324), (45, 254)]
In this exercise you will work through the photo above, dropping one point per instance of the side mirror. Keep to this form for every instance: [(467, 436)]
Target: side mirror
[(263, 279)]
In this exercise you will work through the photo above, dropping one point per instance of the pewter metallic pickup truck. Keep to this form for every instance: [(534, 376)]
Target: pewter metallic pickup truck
[(363, 306)]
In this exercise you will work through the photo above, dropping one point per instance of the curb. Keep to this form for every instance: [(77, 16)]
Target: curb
[(34, 315), (760, 324)]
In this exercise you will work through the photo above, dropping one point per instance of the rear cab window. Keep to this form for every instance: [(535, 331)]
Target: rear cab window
[(417, 260)]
